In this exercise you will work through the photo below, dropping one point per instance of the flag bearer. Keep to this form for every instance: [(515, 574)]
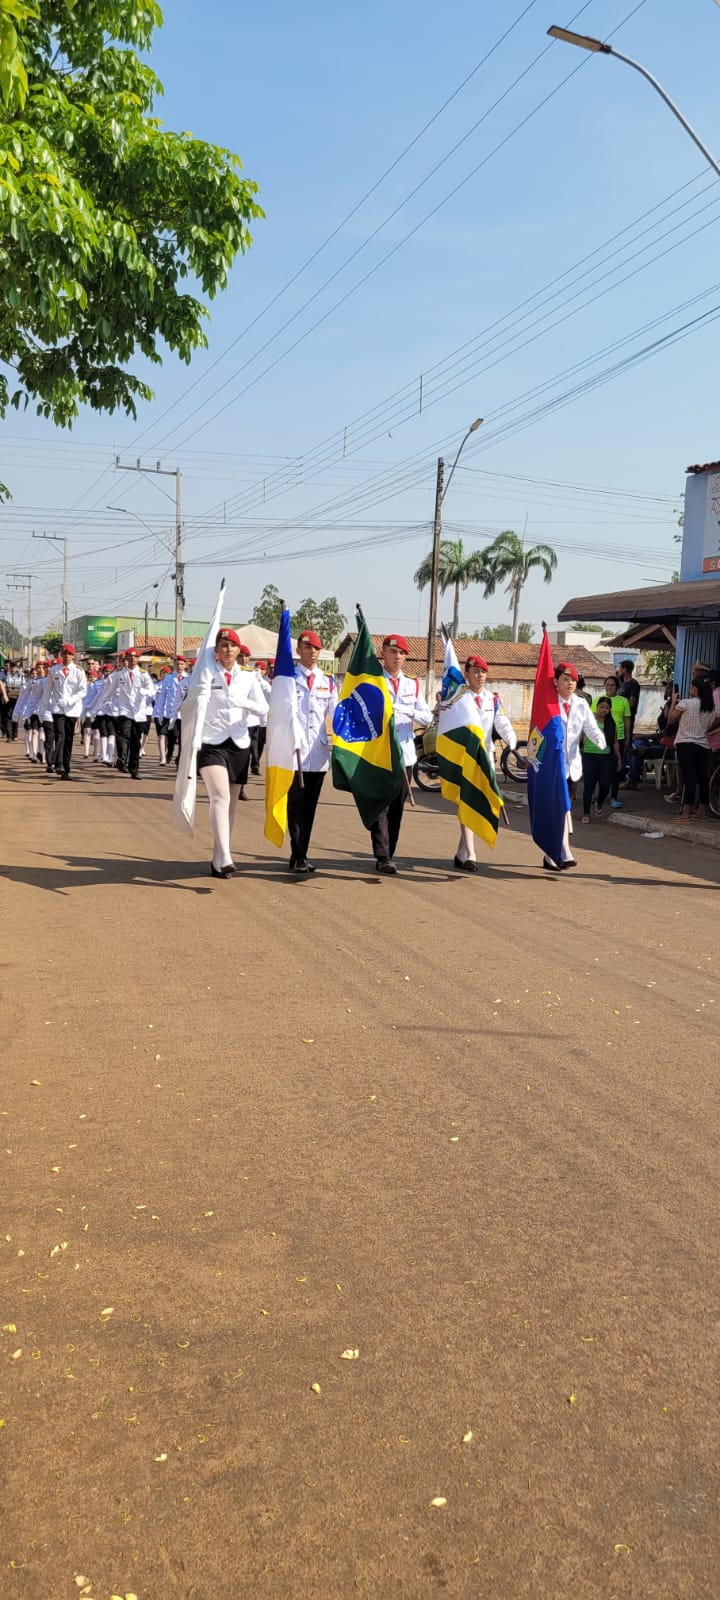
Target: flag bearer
[(223, 757), (491, 717), (410, 708), (316, 701), (174, 695), (577, 720)]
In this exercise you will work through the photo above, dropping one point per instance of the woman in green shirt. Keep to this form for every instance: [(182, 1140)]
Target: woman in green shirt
[(599, 766), (622, 718)]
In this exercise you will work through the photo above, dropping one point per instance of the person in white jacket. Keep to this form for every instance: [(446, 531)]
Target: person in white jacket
[(223, 758), (493, 720), (317, 698), (411, 709), (578, 720), (69, 687), (133, 692)]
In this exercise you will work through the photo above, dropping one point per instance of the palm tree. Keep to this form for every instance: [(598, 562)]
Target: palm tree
[(458, 568), (508, 557)]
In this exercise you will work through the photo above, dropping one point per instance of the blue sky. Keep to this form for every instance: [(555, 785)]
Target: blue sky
[(318, 104)]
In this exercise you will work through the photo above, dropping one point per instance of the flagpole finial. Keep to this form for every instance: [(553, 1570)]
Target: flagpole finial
[(544, 627), (282, 605), (359, 610)]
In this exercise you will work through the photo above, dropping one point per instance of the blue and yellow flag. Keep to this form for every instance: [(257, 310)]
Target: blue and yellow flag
[(366, 758), (467, 775)]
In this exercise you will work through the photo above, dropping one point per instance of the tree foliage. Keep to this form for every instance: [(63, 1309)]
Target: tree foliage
[(457, 569), (11, 640), (504, 631), (322, 616), (103, 212), (509, 557), (51, 641), (660, 665)]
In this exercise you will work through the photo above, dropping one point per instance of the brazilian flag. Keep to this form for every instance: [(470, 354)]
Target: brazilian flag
[(366, 756)]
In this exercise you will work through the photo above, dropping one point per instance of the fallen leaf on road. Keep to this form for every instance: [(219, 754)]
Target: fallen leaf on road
[(308, 1041), (35, 1083), (625, 1548), (439, 1500), (467, 1437), (9, 1327), (107, 1312), (315, 1388), (571, 1399), (349, 1355), (163, 1457)]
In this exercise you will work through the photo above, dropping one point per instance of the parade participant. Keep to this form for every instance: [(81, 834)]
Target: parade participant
[(69, 686), (159, 717), (104, 718), (174, 696), (410, 707), (132, 692), (258, 731), (493, 719), (33, 711), (578, 721), (22, 711), (44, 713), (14, 683), (223, 757), (465, 766), (316, 701), (90, 740)]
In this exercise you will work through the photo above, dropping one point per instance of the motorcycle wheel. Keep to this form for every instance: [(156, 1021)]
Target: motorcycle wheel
[(425, 773), (514, 762)]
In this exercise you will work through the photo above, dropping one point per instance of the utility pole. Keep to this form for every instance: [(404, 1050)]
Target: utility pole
[(56, 539), (23, 580), (169, 472), (434, 575), (145, 640)]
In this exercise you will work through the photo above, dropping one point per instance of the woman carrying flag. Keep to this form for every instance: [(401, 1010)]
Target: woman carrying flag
[(467, 772), (559, 719)]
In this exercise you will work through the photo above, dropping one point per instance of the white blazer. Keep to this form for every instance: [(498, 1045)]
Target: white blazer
[(578, 720)]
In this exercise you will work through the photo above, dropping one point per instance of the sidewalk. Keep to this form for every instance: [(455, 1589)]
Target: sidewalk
[(644, 811)]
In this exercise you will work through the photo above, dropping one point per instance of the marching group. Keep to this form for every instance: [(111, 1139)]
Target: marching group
[(115, 705)]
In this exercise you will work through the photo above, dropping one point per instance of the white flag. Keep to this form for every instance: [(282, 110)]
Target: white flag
[(192, 719)]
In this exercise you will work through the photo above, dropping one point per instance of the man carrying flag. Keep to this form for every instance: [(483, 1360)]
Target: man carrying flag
[(283, 738), (467, 775), (370, 755), (558, 721)]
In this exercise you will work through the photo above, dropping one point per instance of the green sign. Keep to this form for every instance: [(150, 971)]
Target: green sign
[(100, 633)]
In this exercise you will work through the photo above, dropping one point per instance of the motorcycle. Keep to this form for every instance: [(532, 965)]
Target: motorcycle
[(513, 763)]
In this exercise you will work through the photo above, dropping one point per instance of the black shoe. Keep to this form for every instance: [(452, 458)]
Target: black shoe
[(119, 767), (388, 868), (255, 772), (136, 776), (222, 872), (464, 866), (65, 777), (566, 865), (305, 865), (550, 866)]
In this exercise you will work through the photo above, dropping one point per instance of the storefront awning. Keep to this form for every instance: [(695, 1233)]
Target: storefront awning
[(660, 602)]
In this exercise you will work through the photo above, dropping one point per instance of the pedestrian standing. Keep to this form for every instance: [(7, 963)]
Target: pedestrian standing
[(623, 719), (316, 701), (410, 708), (696, 719), (599, 765)]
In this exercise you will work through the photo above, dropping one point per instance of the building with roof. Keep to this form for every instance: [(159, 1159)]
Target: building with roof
[(682, 616)]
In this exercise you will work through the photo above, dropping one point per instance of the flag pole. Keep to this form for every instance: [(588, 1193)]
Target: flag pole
[(297, 752)]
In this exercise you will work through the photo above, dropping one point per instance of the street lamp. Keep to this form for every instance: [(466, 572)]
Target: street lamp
[(599, 47), (440, 494)]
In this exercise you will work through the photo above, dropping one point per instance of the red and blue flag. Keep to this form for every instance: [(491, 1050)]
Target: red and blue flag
[(548, 795)]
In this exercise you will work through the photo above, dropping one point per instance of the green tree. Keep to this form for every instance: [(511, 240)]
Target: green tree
[(509, 557), (103, 212), (457, 569), (324, 617), (11, 641), (661, 665), (268, 610), (504, 631), (51, 641)]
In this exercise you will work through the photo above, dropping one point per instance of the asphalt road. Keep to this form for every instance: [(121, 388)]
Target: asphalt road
[(465, 1128)]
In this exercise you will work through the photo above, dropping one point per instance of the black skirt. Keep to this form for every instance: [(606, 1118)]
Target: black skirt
[(236, 762)]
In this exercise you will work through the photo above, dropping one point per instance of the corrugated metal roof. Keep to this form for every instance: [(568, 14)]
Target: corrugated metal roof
[(660, 602)]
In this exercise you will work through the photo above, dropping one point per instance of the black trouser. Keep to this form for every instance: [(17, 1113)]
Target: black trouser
[(12, 727), (49, 733), (256, 749), (386, 831), (5, 710), (618, 770), (64, 731), (174, 737), (597, 769), (302, 805), (694, 763), (128, 736)]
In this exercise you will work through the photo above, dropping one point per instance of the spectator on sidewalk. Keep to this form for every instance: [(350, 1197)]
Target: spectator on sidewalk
[(651, 746), (696, 718), (630, 688), (622, 718), (600, 764)]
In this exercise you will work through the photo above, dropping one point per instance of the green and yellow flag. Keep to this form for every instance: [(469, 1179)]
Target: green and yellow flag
[(467, 776), (366, 758)]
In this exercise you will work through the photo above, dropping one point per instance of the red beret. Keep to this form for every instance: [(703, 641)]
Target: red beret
[(230, 636), (68, 649), (131, 652), (262, 665), (564, 666), (180, 658), (477, 661), (397, 640), (245, 650), (310, 638)]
